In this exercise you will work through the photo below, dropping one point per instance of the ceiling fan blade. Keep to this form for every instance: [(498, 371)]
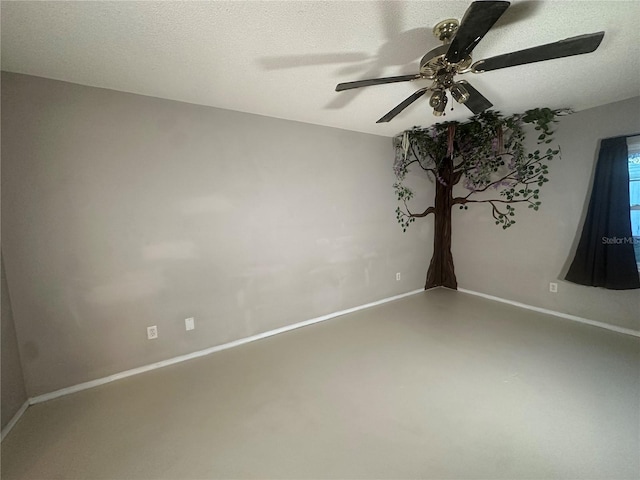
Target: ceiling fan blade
[(400, 107), (563, 48), (476, 102), (477, 21), (376, 81)]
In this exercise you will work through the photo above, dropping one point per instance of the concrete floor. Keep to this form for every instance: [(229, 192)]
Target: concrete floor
[(437, 385)]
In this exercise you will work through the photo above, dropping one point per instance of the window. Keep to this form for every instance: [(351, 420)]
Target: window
[(633, 144)]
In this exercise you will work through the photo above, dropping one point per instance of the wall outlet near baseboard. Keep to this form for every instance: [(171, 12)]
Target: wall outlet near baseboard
[(189, 323), (398, 276), (553, 287), (152, 332)]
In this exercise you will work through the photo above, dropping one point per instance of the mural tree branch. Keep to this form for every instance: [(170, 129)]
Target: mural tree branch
[(487, 155)]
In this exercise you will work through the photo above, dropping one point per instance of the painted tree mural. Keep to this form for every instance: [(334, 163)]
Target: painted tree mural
[(487, 156)]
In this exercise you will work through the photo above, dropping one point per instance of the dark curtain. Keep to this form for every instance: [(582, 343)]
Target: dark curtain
[(605, 255)]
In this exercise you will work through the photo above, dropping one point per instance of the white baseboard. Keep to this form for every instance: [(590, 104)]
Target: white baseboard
[(627, 331), (135, 371), (14, 420)]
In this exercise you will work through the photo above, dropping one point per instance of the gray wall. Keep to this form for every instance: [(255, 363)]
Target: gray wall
[(12, 383), (518, 263), (121, 211)]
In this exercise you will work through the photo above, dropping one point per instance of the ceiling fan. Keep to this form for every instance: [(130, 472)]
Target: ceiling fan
[(453, 57)]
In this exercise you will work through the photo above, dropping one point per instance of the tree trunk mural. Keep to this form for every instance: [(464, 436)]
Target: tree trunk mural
[(441, 271), (488, 155)]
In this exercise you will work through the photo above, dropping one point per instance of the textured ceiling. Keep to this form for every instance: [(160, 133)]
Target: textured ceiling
[(283, 59)]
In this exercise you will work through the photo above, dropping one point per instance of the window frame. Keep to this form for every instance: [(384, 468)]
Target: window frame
[(633, 150)]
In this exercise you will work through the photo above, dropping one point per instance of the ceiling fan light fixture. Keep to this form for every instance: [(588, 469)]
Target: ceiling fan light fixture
[(459, 93), (439, 102), (436, 98)]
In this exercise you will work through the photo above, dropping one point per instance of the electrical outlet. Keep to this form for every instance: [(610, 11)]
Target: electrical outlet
[(398, 276), (189, 323), (553, 287), (152, 332)]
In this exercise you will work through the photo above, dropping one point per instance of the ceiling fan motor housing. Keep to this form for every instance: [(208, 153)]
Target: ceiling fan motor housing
[(433, 61)]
